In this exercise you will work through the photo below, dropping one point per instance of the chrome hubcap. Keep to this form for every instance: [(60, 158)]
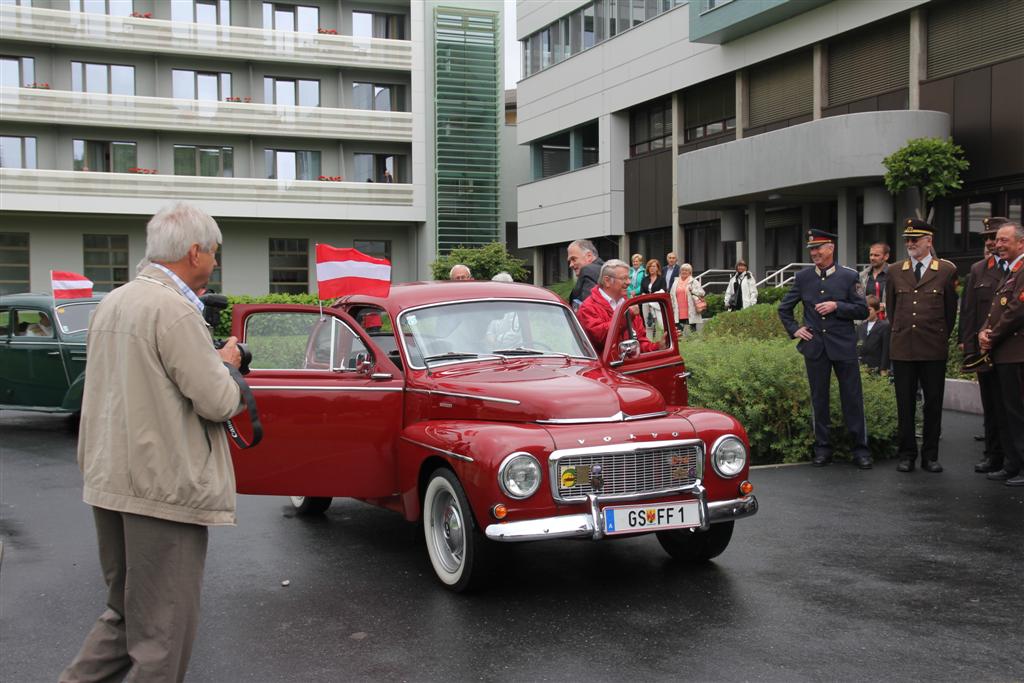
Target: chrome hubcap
[(448, 531)]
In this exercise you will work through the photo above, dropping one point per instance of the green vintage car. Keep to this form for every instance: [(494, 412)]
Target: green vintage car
[(42, 351)]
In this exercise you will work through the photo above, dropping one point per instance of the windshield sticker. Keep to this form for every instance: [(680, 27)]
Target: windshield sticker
[(411, 319)]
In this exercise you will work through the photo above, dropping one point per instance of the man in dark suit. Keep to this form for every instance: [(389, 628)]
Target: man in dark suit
[(873, 339), (984, 279), (832, 301), (671, 270), (921, 308), (585, 263), (1002, 337)]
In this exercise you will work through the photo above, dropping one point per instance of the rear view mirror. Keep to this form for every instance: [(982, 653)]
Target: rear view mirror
[(630, 348)]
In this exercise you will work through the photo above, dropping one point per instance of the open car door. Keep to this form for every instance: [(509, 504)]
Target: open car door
[(642, 342), (330, 402)]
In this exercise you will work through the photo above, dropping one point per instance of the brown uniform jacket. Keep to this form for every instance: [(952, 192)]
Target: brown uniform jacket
[(922, 314), (982, 283), (1006, 319)]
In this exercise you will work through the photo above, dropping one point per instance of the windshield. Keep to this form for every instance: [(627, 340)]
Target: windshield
[(465, 331), (74, 318)]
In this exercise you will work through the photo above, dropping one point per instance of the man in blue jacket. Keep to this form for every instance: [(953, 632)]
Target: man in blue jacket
[(832, 300)]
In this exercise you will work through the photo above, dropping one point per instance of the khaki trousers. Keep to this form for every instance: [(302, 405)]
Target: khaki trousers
[(154, 574)]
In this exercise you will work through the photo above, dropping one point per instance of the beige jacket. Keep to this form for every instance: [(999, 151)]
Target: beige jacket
[(151, 440), (694, 291)]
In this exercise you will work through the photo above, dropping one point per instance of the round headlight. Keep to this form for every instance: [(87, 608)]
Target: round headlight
[(519, 475), (729, 456)]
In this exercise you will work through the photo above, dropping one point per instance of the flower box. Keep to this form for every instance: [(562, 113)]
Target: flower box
[(144, 171), (38, 86), (142, 15), (331, 178), (327, 31), (238, 99)]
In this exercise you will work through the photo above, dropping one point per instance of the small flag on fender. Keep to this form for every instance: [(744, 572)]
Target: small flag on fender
[(68, 285), (349, 271)]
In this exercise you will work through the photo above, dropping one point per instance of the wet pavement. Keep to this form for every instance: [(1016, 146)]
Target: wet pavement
[(843, 575)]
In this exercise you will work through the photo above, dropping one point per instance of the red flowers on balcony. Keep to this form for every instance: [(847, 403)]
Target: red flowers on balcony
[(142, 15), (238, 99), (144, 171), (327, 31), (38, 86), (331, 178)]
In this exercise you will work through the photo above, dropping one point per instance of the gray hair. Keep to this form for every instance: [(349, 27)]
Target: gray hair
[(1018, 229), (503, 277), (174, 229), (586, 246), (451, 273), (686, 266), (610, 266)]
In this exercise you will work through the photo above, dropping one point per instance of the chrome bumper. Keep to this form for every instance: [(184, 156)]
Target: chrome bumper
[(591, 524)]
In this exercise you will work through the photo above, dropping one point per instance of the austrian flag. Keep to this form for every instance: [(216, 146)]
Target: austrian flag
[(349, 271), (68, 285)]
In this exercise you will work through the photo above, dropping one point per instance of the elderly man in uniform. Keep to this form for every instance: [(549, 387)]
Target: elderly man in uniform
[(598, 310), (984, 279), (1002, 337), (585, 263), (921, 304), (828, 341)]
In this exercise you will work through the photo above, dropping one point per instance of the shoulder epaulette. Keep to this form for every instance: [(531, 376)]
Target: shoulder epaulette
[(906, 265), (948, 261), (852, 270)]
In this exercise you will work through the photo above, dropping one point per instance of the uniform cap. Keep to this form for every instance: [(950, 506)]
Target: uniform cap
[(993, 223), (816, 238), (915, 227)]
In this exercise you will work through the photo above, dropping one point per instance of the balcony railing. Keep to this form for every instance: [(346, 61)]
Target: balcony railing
[(23, 190), (155, 35), (162, 113)]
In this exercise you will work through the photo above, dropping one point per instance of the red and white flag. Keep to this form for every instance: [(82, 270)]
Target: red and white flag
[(349, 271), (68, 285)]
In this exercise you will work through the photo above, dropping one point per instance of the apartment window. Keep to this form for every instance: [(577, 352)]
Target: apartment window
[(115, 8), (377, 97), (17, 3), (289, 266), (291, 91), (375, 248), (17, 152), (588, 144), (210, 86), (216, 281), (301, 18), (14, 264), (650, 127), (378, 25), (215, 162), (379, 168), (113, 79), (210, 12), (554, 154), (284, 164), (17, 72), (103, 155), (709, 108), (106, 260), (589, 35)]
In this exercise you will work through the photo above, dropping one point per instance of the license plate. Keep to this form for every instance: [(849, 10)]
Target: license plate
[(625, 519)]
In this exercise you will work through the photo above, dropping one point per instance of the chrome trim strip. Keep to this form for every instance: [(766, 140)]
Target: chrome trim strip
[(623, 447), (646, 416), (728, 510), (313, 388), (463, 458), (653, 367), (617, 417), (493, 399)]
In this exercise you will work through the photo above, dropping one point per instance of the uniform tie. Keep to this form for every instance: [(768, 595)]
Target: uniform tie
[(1004, 266), (917, 271)]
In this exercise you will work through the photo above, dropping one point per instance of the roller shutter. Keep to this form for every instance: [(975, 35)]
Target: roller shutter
[(781, 89), (869, 62), (966, 35)]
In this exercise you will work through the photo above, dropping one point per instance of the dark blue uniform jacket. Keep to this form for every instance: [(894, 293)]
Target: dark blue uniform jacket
[(834, 334)]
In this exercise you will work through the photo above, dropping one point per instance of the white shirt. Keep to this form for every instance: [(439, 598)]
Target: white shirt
[(614, 303), (1014, 261), (925, 262), (870, 325)]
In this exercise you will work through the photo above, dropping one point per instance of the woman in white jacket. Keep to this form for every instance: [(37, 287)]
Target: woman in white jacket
[(686, 291), (744, 282)]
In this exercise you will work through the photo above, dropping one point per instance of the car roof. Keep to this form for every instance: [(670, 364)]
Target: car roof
[(411, 294), (41, 299)]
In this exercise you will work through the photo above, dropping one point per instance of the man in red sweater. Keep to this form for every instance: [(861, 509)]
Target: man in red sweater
[(597, 310)]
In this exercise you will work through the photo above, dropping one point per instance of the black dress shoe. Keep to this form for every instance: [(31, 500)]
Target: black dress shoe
[(1015, 481), (906, 465), (1001, 475), (821, 460), (931, 466), (862, 462), (986, 466)]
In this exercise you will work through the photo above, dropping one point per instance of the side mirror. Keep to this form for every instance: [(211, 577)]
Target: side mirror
[(364, 363), (629, 348)]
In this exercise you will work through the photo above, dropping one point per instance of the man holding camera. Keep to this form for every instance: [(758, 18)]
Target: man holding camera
[(154, 454)]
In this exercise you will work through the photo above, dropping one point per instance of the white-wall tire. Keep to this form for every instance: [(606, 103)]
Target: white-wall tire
[(306, 505), (454, 544)]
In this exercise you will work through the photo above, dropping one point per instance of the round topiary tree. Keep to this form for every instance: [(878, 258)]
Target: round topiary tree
[(931, 166), (484, 262)]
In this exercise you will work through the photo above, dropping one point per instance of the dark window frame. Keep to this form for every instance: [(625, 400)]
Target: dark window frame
[(284, 249)]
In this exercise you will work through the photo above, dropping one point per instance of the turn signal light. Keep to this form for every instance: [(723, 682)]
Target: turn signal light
[(499, 511), (746, 488)]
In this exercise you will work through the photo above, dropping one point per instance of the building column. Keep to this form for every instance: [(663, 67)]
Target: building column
[(846, 250), (754, 245), (678, 125), (617, 136), (538, 266), (742, 103), (820, 76), (918, 56)]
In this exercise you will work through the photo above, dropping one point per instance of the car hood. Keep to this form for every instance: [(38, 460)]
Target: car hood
[(550, 392)]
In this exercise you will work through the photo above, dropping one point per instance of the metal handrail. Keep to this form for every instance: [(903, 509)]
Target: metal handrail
[(783, 277), (712, 272)]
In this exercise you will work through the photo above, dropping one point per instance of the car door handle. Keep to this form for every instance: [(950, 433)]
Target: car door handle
[(53, 353), (684, 375), (381, 376)]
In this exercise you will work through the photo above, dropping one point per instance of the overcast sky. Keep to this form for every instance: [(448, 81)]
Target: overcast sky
[(512, 61)]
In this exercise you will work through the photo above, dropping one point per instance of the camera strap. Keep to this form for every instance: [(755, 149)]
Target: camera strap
[(250, 405)]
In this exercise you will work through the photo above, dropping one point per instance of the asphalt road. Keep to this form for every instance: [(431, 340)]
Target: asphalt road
[(843, 575)]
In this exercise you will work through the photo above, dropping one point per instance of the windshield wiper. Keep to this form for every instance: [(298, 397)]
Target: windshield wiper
[(458, 355), (520, 351)]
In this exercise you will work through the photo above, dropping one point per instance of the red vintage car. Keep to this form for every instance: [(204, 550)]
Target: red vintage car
[(482, 410)]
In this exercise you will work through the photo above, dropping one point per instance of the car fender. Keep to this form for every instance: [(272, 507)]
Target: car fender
[(73, 398), (473, 450)]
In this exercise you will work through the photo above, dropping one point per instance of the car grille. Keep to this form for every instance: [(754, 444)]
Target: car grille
[(642, 470)]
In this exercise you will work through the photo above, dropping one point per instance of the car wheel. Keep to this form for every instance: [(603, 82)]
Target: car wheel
[(306, 505), (696, 546), (454, 544)]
